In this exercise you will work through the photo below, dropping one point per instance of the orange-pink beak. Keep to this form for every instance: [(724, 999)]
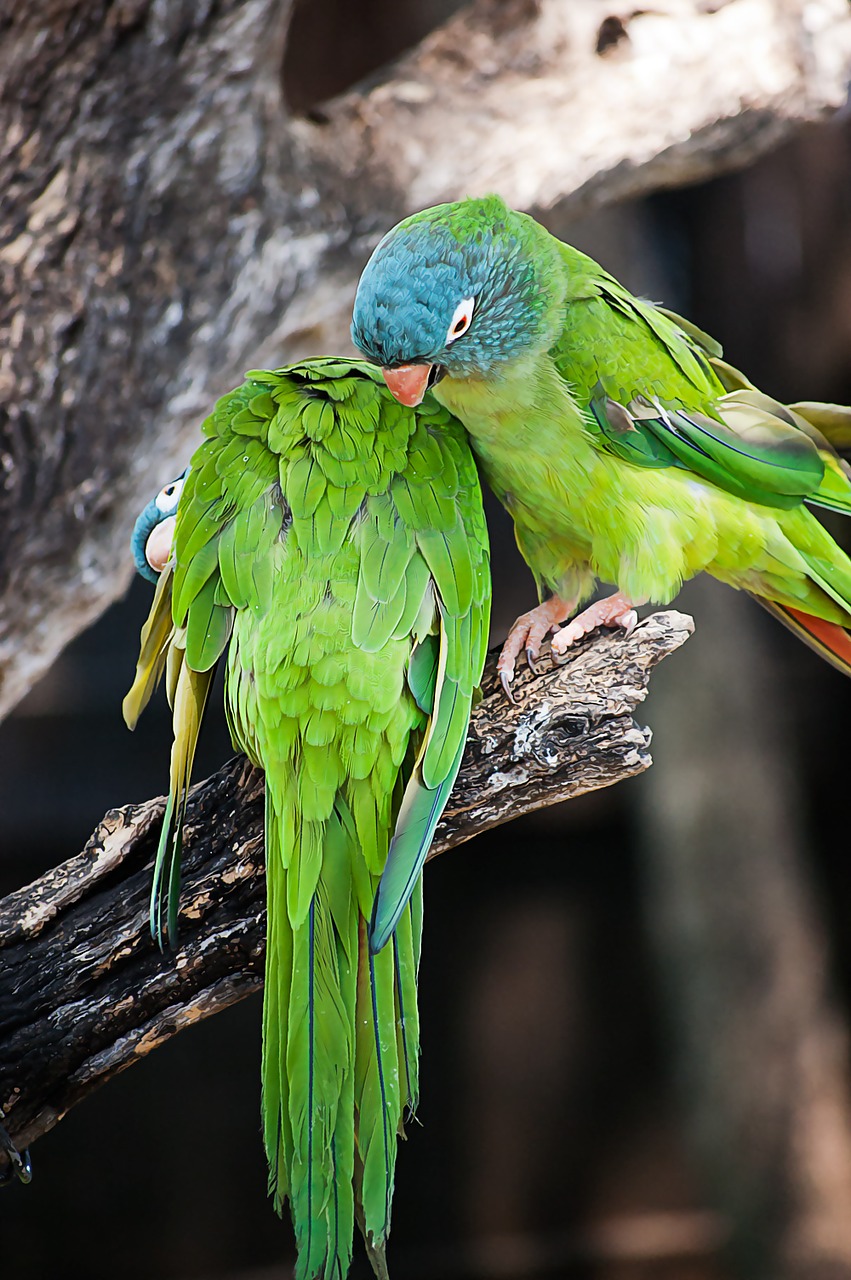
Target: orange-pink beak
[(408, 383)]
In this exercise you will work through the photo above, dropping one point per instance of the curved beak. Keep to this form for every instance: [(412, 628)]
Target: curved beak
[(408, 383)]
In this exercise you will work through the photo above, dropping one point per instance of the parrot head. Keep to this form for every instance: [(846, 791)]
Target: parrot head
[(456, 290), (153, 531)]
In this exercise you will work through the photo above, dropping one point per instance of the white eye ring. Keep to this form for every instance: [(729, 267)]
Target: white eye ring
[(462, 318), (169, 496)]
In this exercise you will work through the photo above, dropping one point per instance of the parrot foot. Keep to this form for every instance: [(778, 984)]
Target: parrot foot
[(614, 611), (20, 1166), (527, 633)]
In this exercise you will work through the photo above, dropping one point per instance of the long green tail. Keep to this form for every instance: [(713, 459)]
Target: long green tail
[(340, 1044)]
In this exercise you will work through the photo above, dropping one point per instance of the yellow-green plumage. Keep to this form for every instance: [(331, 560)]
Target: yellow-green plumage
[(304, 538), (583, 511), (623, 446)]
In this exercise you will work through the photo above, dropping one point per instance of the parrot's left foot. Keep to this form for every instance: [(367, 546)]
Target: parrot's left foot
[(528, 632), (614, 611), (19, 1161)]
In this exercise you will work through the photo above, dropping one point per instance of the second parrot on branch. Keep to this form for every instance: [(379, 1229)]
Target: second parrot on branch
[(332, 545), (623, 446)]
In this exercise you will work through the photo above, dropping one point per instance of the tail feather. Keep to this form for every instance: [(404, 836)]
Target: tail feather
[(377, 1089), (277, 1133), (342, 905), (190, 697), (154, 649), (406, 955), (339, 1064), (318, 1052), (828, 639)]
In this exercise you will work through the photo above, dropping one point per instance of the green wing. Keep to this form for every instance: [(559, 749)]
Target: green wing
[(741, 446), (658, 394), (432, 519), (827, 425)]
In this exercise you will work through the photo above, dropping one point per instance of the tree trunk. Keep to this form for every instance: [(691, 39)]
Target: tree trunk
[(166, 223)]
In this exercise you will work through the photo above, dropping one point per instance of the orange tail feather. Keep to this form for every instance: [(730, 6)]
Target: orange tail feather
[(827, 639)]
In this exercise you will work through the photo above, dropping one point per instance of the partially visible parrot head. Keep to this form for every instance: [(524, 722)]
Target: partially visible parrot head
[(458, 289), (153, 531)]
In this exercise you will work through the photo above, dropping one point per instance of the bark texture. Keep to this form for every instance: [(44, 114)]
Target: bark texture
[(85, 992), (166, 223)]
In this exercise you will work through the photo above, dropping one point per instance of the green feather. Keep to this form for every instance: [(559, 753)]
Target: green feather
[(422, 672), (418, 817), (624, 447), (188, 711), (304, 546), (208, 628)]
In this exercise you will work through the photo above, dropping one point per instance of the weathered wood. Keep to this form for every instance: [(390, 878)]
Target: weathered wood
[(84, 992), (165, 223)]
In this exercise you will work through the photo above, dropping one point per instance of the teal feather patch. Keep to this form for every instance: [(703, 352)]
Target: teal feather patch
[(422, 672), (415, 826)]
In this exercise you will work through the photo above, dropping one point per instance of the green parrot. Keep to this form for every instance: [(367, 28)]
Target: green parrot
[(623, 446), (332, 544)]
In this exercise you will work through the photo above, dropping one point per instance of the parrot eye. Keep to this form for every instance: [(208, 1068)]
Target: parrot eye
[(168, 497), (462, 318)]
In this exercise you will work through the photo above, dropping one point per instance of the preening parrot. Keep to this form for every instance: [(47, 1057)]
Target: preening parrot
[(621, 443), (153, 532), (332, 544)]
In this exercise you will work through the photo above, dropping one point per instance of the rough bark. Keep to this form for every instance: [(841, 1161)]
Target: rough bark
[(758, 1045), (85, 992), (165, 223)]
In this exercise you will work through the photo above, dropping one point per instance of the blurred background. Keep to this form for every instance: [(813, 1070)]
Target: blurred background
[(634, 1006)]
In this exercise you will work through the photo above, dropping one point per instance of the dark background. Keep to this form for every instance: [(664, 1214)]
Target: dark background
[(552, 1138)]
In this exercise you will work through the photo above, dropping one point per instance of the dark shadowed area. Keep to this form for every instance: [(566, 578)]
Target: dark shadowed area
[(578, 1063)]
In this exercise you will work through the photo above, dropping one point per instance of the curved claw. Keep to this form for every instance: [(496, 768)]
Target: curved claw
[(505, 681), (532, 660), (628, 621), (20, 1164), (527, 633)]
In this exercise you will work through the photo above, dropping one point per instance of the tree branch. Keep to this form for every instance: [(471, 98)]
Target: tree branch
[(165, 224), (84, 991), (590, 103)]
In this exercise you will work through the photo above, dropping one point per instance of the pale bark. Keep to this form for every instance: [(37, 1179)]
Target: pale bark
[(165, 224)]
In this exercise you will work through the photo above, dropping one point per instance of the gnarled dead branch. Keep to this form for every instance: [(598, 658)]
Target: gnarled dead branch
[(85, 992)]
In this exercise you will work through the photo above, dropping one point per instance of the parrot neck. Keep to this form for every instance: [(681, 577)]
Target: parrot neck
[(529, 435), (508, 411)]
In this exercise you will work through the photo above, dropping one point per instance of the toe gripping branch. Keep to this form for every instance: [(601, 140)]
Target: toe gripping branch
[(20, 1165)]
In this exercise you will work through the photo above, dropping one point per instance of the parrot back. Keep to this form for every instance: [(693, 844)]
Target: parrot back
[(334, 543)]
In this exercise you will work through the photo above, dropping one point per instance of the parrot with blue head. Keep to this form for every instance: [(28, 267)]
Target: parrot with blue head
[(621, 443), (153, 532), (329, 546)]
